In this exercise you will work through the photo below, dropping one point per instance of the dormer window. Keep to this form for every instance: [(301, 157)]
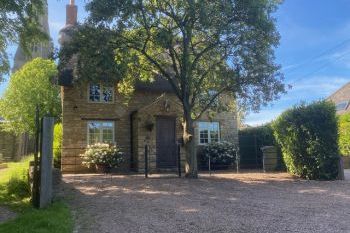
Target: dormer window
[(342, 105), (99, 93)]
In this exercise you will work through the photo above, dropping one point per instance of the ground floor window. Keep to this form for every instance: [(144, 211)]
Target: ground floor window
[(101, 132), (208, 132)]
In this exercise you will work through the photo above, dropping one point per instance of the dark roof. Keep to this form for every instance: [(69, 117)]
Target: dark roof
[(2, 119), (65, 78), (159, 85)]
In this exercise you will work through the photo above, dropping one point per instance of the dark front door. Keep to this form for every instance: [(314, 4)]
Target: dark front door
[(166, 147)]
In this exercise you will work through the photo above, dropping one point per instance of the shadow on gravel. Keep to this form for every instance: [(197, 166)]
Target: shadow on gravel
[(249, 202)]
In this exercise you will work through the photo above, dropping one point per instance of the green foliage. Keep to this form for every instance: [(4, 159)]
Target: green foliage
[(263, 133), (19, 186), (308, 136), (14, 193), (14, 186), (251, 140), (54, 219), (102, 154), (19, 22), (174, 40), (221, 154), (344, 134), (57, 145), (29, 87)]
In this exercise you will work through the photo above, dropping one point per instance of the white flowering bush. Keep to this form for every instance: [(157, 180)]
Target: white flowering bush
[(102, 154), (222, 154)]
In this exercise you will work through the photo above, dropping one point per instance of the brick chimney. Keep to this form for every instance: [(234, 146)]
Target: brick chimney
[(71, 13)]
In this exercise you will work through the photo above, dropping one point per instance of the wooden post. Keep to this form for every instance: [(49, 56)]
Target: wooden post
[(146, 161), (341, 175), (237, 160), (46, 162), (35, 189)]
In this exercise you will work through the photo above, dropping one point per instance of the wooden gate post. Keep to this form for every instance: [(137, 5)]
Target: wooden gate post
[(146, 161), (46, 162)]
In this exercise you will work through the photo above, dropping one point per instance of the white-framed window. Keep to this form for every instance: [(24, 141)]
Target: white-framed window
[(208, 132), (99, 93), (100, 132), (342, 105)]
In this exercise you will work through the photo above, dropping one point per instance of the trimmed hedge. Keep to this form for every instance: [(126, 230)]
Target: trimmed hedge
[(251, 140), (308, 136), (344, 134), (57, 145)]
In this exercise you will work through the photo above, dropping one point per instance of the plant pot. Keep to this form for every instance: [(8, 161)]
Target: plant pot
[(102, 168)]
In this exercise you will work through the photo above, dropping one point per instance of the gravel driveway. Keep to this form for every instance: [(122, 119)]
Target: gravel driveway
[(252, 202)]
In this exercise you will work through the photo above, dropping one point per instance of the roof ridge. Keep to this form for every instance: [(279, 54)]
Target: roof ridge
[(341, 88)]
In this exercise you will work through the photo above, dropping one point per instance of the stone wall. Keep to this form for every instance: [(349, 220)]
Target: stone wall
[(143, 106)]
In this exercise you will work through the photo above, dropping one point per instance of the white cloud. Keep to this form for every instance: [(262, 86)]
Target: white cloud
[(311, 89), (320, 85)]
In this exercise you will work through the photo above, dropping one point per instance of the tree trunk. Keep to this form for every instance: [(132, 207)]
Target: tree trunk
[(191, 167)]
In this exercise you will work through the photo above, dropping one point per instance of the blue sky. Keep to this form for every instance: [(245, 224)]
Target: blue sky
[(314, 49)]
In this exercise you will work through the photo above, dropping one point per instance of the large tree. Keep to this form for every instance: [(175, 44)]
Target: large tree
[(203, 48), (29, 87), (19, 23)]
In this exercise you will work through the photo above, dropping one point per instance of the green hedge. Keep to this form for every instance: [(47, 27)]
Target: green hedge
[(251, 140), (344, 134), (57, 145), (308, 136)]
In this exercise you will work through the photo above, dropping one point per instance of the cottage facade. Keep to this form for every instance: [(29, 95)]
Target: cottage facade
[(96, 112)]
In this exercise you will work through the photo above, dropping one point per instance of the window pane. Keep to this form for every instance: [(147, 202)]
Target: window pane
[(208, 132), (342, 105), (100, 132), (107, 94), (107, 135), (94, 133), (95, 92), (203, 136)]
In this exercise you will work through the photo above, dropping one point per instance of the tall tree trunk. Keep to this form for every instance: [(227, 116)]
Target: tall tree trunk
[(191, 167)]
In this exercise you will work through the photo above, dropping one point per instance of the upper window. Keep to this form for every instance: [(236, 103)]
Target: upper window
[(100, 94), (100, 132), (208, 132), (342, 105)]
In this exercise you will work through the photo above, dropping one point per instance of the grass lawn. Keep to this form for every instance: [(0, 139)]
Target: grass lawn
[(14, 194)]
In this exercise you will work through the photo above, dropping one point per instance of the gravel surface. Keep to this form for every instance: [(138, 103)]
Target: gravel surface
[(248, 202), (6, 215)]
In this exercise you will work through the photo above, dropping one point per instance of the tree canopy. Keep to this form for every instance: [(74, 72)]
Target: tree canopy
[(29, 87), (202, 48), (19, 23)]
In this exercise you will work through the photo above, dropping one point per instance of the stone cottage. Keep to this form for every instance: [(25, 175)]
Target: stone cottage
[(95, 112)]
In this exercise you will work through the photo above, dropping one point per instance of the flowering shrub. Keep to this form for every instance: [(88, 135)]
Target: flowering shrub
[(222, 154), (102, 154)]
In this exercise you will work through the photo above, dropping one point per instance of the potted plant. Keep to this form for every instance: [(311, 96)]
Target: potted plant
[(103, 157)]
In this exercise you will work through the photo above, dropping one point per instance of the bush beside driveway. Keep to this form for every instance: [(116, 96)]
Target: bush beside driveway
[(252, 202)]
